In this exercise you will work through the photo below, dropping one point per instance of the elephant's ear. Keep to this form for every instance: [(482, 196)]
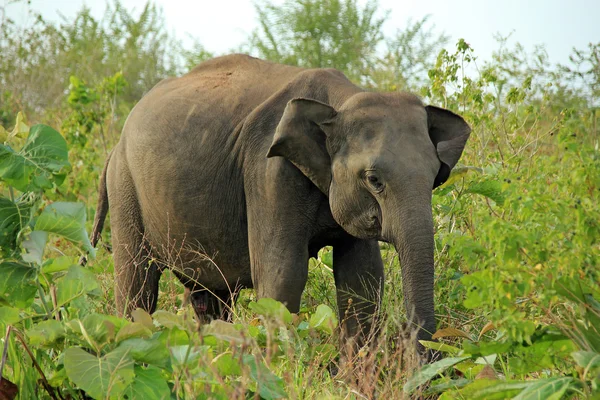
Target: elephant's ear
[(299, 138), (449, 134)]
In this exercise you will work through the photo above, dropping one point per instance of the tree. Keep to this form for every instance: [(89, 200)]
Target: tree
[(408, 57), (320, 34), (37, 61), (341, 34)]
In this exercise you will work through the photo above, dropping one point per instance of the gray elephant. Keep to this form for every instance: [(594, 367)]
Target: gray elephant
[(234, 174)]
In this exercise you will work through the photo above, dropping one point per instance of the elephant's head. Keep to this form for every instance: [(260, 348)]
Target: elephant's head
[(378, 158)]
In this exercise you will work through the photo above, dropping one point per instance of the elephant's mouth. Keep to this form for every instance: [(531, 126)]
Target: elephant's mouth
[(369, 229)]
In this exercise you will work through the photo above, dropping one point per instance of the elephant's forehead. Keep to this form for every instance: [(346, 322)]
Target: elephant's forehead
[(385, 126)]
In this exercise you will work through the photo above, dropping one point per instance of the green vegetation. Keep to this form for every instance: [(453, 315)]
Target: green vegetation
[(517, 224)]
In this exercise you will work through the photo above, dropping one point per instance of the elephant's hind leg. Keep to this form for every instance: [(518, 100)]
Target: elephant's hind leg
[(136, 275), (209, 305)]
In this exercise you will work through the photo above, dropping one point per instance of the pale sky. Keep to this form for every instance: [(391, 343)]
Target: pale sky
[(221, 25)]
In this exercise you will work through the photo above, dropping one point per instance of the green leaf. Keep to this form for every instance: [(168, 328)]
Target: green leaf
[(13, 218), (224, 331), (488, 389), (452, 384), (77, 282), (547, 389), (440, 346), (271, 309), (587, 359), (323, 320), (141, 316), (58, 264), (100, 377), (429, 371), (46, 332), (186, 356), (21, 128), (490, 189), (148, 384), (34, 247), (131, 330), (17, 284), (67, 220), (327, 258), (9, 316), (227, 365), (102, 328), (458, 173), (43, 160), (168, 319), (270, 386), (150, 351), (324, 351)]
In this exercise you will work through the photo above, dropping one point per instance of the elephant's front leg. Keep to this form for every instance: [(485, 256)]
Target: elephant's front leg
[(358, 273), (280, 268)]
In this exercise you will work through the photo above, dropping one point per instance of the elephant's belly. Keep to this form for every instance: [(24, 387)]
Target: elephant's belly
[(203, 237)]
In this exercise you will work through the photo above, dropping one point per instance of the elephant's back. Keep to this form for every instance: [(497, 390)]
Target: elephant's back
[(204, 106)]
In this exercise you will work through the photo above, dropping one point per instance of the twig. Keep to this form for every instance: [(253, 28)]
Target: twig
[(45, 382), (4, 350)]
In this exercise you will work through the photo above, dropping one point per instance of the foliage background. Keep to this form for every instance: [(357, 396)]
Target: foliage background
[(517, 225)]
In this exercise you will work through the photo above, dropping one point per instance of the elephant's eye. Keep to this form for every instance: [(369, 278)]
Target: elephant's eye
[(374, 182)]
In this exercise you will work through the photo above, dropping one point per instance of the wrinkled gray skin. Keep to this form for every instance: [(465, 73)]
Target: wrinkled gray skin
[(236, 173)]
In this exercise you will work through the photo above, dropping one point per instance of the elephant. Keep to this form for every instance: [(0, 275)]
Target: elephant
[(236, 173)]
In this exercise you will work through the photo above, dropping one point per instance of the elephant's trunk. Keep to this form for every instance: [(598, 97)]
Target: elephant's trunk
[(410, 229)]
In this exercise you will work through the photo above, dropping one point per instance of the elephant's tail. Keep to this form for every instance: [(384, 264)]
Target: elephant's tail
[(101, 210), (102, 207)]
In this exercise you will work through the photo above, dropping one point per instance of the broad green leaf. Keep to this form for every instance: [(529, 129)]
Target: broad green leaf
[(587, 359), (429, 371), (34, 247), (150, 351), (224, 331), (490, 189), (21, 128), (489, 359), (440, 346), (488, 389), (131, 330), (547, 389), (168, 319), (271, 309), (67, 220), (327, 258), (100, 377), (17, 284), (469, 369), (186, 356), (77, 282), (452, 384), (458, 173), (58, 264), (102, 328), (270, 386), (323, 320), (13, 218), (148, 384), (325, 351), (3, 134), (43, 160), (227, 365), (572, 289), (142, 316), (9, 316), (46, 332)]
